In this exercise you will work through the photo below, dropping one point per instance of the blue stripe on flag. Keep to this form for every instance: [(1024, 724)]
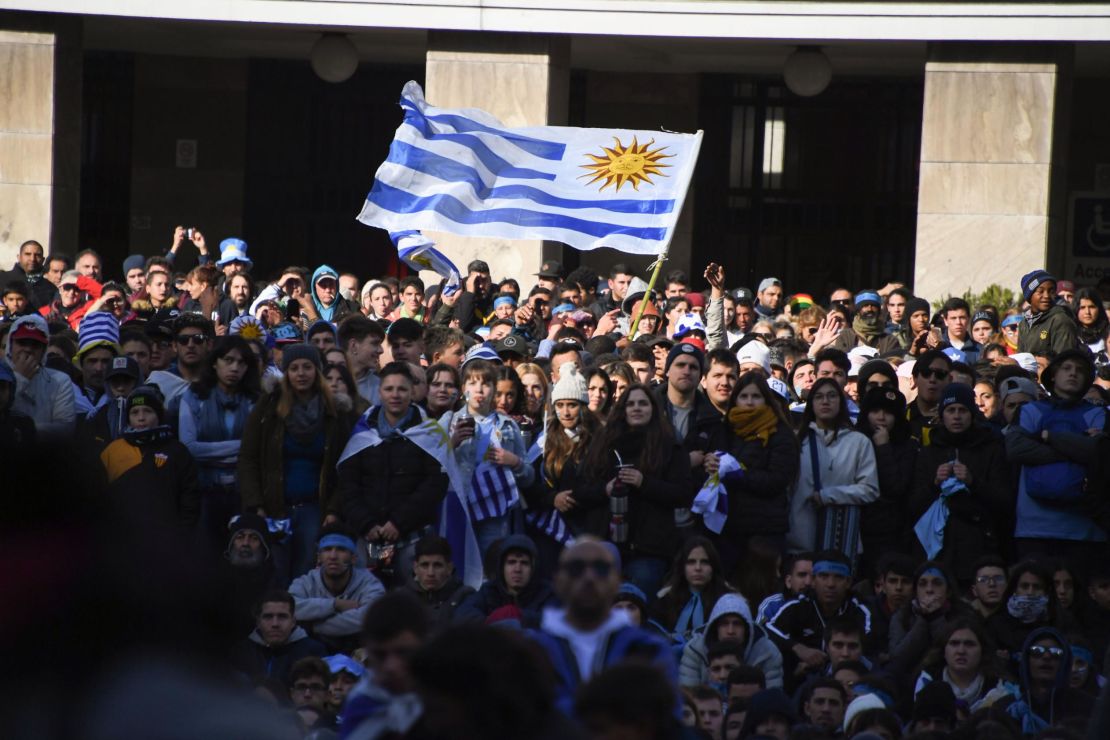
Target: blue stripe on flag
[(449, 207), (536, 147), (492, 161), (450, 170)]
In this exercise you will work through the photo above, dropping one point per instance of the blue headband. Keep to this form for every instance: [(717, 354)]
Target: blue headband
[(503, 300), (1083, 654), (336, 540), (935, 572), (831, 566)]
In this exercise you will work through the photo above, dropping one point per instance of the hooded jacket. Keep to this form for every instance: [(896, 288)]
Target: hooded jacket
[(760, 651), (1036, 713), (494, 594), (316, 602), (253, 657), (340, 307), (443, 602)]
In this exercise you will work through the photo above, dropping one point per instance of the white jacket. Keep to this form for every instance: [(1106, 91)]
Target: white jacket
[(47, 397), (848, 476)]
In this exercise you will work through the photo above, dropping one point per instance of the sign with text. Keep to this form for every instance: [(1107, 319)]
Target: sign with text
[(1088, 253)]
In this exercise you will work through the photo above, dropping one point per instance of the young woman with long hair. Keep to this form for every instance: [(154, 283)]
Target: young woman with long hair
[(696, 582), (287, 459), (443, 389), (637, 462), (756, 432), (836, 475), (211, 420), (962, 656), (534, 380)]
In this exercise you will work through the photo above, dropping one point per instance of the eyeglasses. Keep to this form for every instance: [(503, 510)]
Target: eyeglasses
[(576, 568), (933, 372), (1044, 651), (196, 339), (990, 580), (303, 688)]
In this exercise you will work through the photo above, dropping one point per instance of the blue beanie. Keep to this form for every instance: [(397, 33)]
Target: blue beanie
[(133, 262), (1032, 280)]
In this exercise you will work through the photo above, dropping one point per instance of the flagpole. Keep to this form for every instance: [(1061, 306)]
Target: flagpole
[(693, 160)]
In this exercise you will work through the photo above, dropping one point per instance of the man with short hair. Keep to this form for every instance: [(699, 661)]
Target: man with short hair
[(333, 598), (134, 273), (237, 300), (444, 344), (620, 277), (384, 702), (192, 340), (797, 576), (56, 266), (390, 487), (28, 270), (769, 298), (516, 584), (895, 585), (412, 301), (16, 301), (587, 635), (276, 642), (957, 326), (720, 378), (844, 642), (88, 263), (744, 682), (823, 704), (474, 303), (798, 628), (109, 420), (988, 586), (710, 710), (406, 340), (434, 580), (361, 338)]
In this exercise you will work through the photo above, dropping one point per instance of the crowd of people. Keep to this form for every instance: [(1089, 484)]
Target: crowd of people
[(585, 508)]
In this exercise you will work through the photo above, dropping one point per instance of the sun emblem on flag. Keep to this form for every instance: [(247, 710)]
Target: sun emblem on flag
[(620, 164)]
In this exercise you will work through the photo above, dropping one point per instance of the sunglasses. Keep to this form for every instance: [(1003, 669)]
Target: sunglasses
[(990, 580), (197, 339), (70, 287), (768, 336), (576, 568), (1043, 651), (932, 372)]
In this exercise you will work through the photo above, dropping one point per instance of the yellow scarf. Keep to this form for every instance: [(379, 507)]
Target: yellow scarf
[(758, 423)]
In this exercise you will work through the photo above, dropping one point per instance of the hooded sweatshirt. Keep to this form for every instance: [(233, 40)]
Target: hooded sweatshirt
[(253, 656), (759, 650), (340, 307), (494, 594), (1062, 702)]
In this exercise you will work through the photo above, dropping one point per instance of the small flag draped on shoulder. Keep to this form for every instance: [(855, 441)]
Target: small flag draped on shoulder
[(464, 172)]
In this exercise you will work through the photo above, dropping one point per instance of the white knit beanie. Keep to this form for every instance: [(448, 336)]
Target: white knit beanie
[(571, 385)]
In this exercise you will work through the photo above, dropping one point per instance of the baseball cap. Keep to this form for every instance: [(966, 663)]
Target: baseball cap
[(125, 367), (1016, 384), (28, 330), (742, 294), (510, 344), (70, 277)]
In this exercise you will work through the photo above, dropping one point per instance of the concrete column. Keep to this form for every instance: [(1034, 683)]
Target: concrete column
[(40, 124), (521, 79), (990, 156)]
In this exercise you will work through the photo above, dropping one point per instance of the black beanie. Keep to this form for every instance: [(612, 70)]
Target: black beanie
[(916, 304), (149, 396)]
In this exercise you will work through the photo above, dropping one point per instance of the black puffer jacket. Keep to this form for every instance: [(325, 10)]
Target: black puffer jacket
[(758, 498), (395, 481), (977, 516), (667, 487)]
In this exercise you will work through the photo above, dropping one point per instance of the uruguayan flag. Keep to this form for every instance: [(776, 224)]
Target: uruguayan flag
[(454, 525), (419, 252), (463, 172)]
